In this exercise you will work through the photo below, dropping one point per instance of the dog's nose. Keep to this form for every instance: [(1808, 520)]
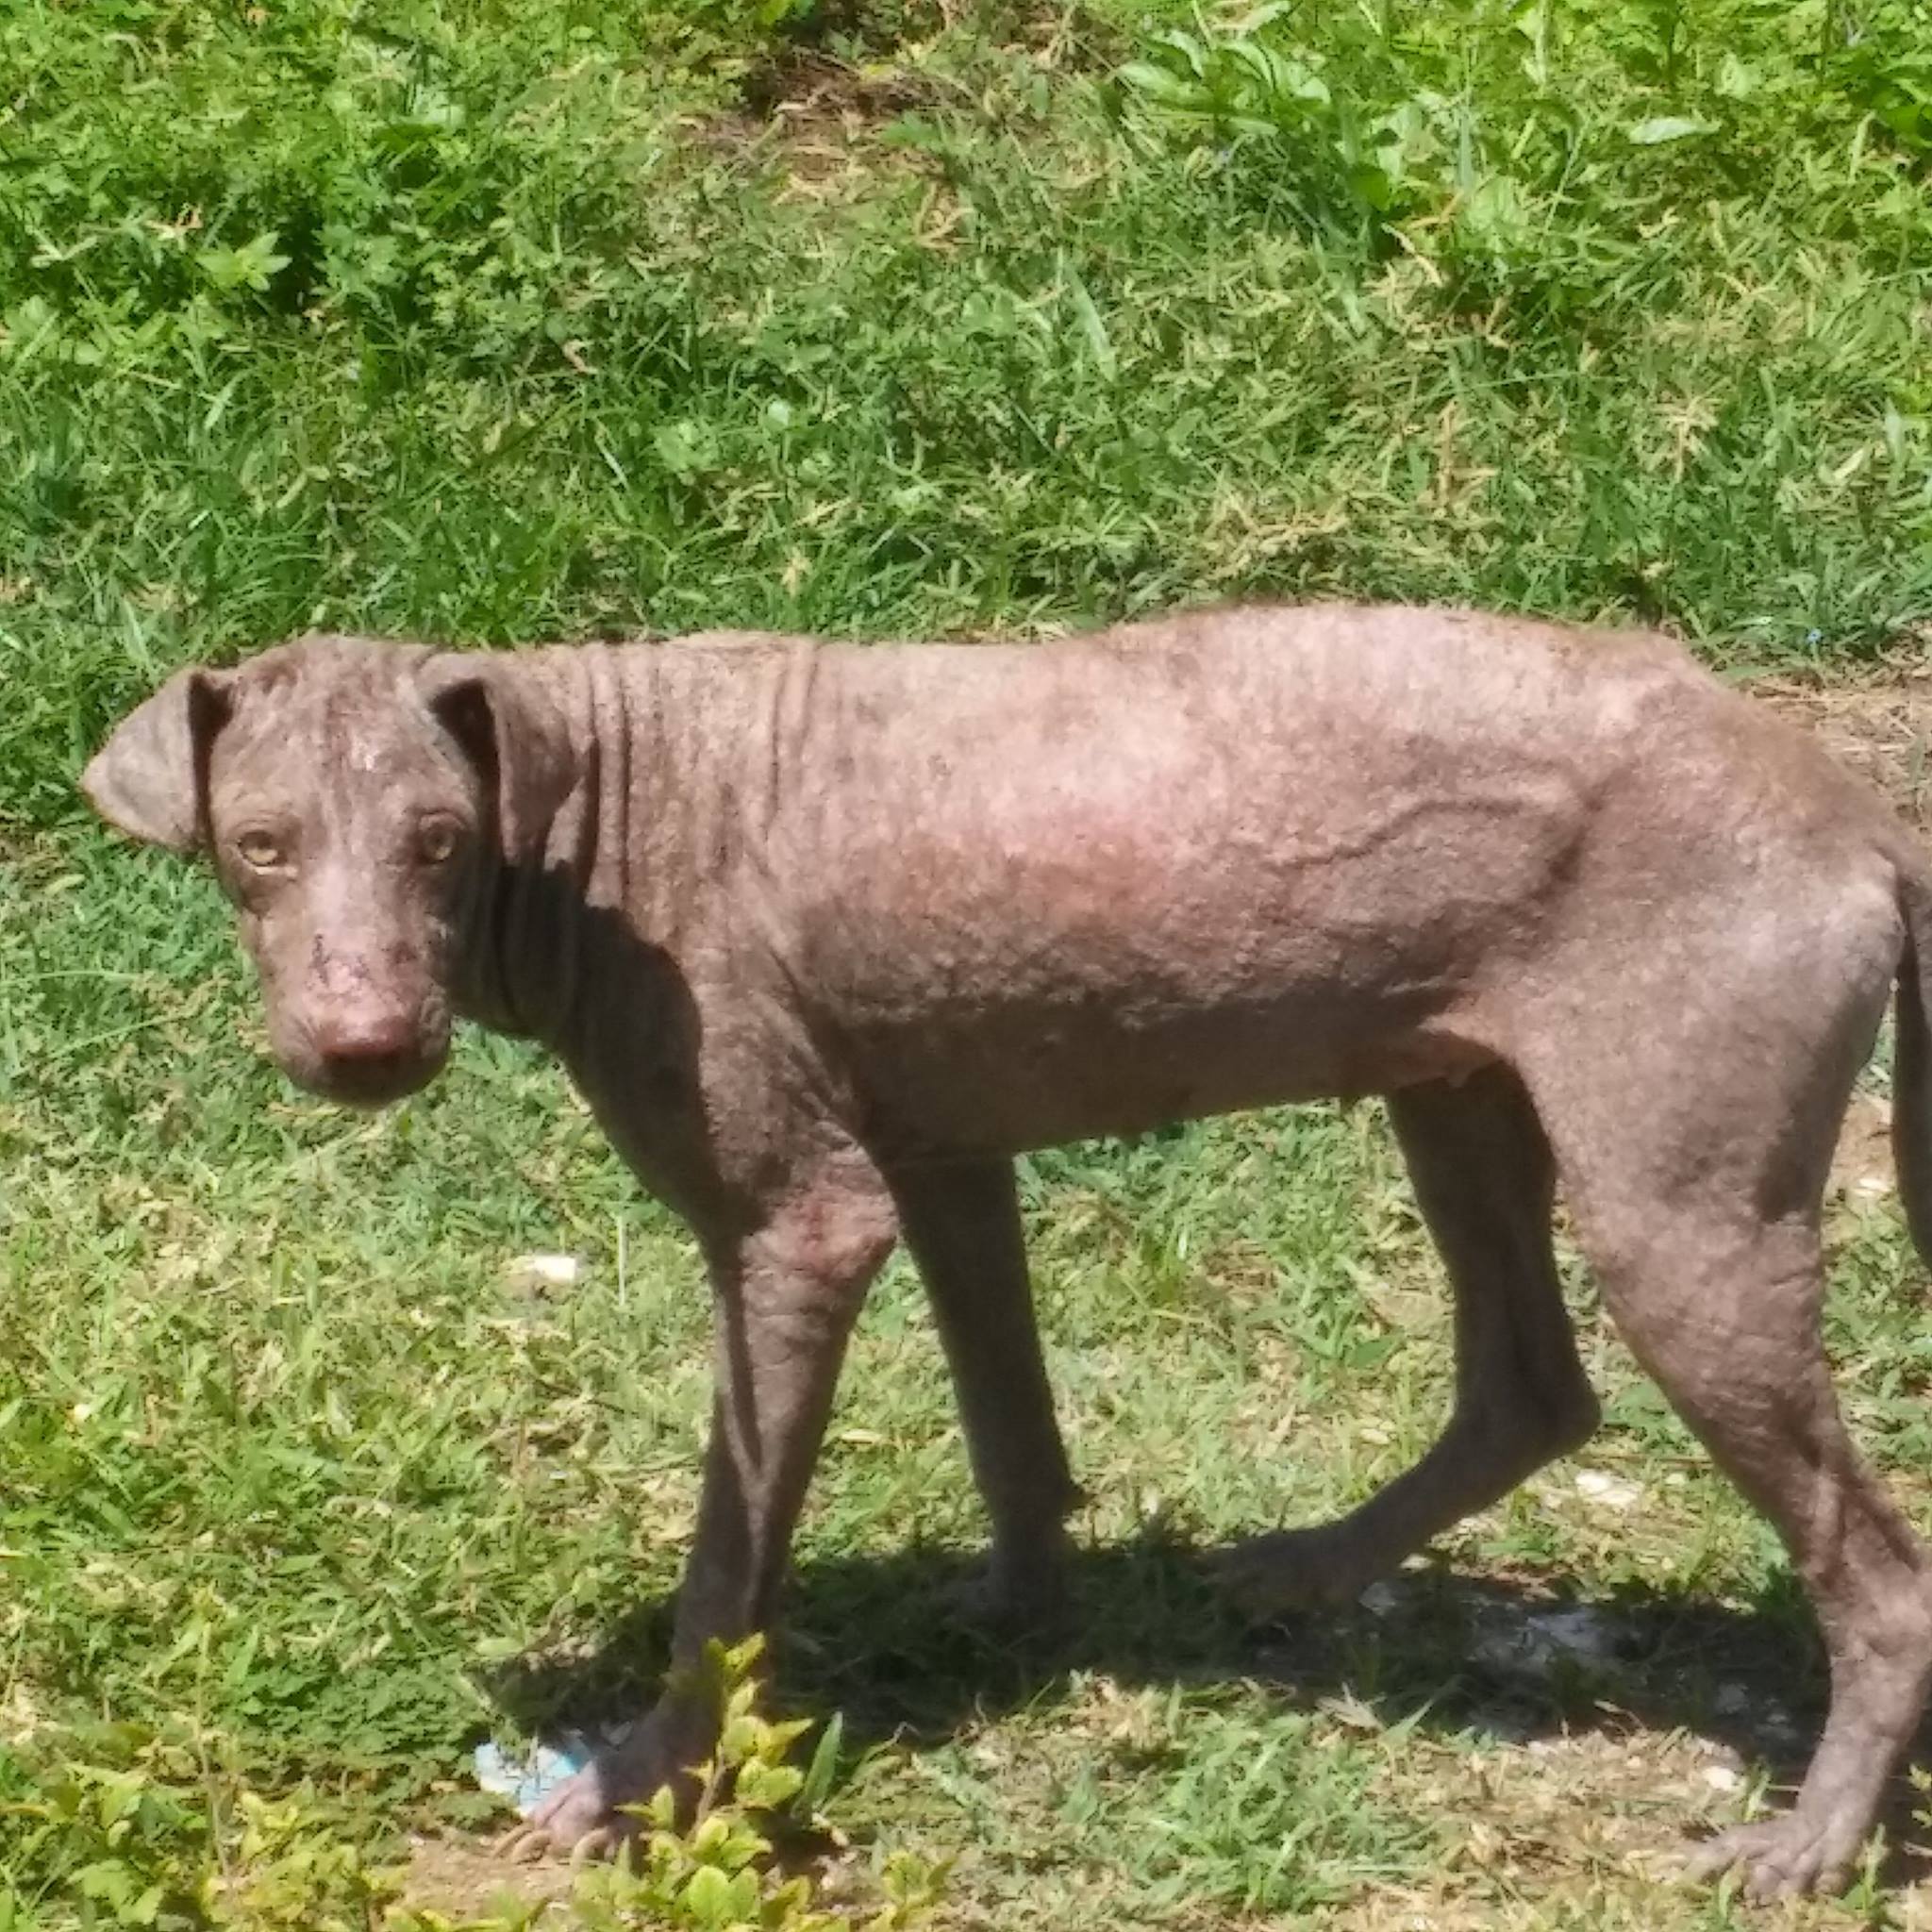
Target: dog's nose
[(364, 1038)]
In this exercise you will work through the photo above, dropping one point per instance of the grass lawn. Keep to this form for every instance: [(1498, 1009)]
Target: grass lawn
[(490, 321)]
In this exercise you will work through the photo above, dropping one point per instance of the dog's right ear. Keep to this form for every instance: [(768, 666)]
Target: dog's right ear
[(512, 735), (150, 779)]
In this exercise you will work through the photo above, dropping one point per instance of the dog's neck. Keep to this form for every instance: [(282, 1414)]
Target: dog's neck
[(684, 756)]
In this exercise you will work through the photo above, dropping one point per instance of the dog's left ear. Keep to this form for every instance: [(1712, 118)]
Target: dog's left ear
[(150, 779), (512, 735)]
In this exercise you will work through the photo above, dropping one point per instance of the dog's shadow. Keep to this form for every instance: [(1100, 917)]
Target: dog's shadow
[(877, 1639)]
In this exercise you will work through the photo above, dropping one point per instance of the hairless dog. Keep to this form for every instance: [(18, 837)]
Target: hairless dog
[(828, 934)]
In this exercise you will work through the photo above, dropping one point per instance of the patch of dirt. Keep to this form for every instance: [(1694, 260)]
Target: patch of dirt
[(1596, 1813), (808, 87), (1861, 1170), (1878, 722), (464, 1877), (818, 119), (19, 1718), (821, 114)]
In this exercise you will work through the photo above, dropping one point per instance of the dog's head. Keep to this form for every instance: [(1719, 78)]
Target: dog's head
[(351, 796)]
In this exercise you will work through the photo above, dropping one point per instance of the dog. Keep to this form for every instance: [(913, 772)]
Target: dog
[(828, 934)]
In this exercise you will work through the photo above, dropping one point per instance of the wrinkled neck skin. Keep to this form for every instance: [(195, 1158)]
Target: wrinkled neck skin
[(678, 778)]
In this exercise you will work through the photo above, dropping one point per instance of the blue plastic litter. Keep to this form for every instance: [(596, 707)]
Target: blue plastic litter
[(524, 1778)]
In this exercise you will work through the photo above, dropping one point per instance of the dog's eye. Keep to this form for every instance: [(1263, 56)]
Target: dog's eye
[(436, 841), (260, 849)]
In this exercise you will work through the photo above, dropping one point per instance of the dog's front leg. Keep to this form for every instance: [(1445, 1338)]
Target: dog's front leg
[(787, 1291)]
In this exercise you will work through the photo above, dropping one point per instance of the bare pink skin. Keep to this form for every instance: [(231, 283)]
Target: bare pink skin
[(828, 934)]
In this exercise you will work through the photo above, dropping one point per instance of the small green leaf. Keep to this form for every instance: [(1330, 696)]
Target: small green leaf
[(107, 1879), (1157, 84), (709, 1897), (1092, 326), (742, 1738), (823, 1767), (686, 448), (709, 1838), (251, 266), (766, 1787), (1735, 79), (1194, 52), (1664, 128)]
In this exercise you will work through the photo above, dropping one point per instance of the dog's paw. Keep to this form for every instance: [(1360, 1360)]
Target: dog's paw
[(588, 1816), (1012, 1598), (1781, 1858), (1295, 1570)]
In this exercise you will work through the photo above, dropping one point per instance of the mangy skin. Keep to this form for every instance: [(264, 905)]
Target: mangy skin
[(826, 934)]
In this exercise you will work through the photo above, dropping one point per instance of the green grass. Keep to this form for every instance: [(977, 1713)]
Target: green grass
[(482, 321)]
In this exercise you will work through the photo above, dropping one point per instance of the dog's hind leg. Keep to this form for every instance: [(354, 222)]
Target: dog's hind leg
[(1484, 1180), (1694, 1163)]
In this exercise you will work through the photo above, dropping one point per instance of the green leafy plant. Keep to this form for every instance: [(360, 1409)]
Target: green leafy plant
[(159, 1840), (718, 1872), (1531, 144), (1881, 57), (1352, 156), (130, 1843)]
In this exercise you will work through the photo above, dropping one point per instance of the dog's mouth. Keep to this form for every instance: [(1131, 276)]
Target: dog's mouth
[(369, 1070), (370, 1079)]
